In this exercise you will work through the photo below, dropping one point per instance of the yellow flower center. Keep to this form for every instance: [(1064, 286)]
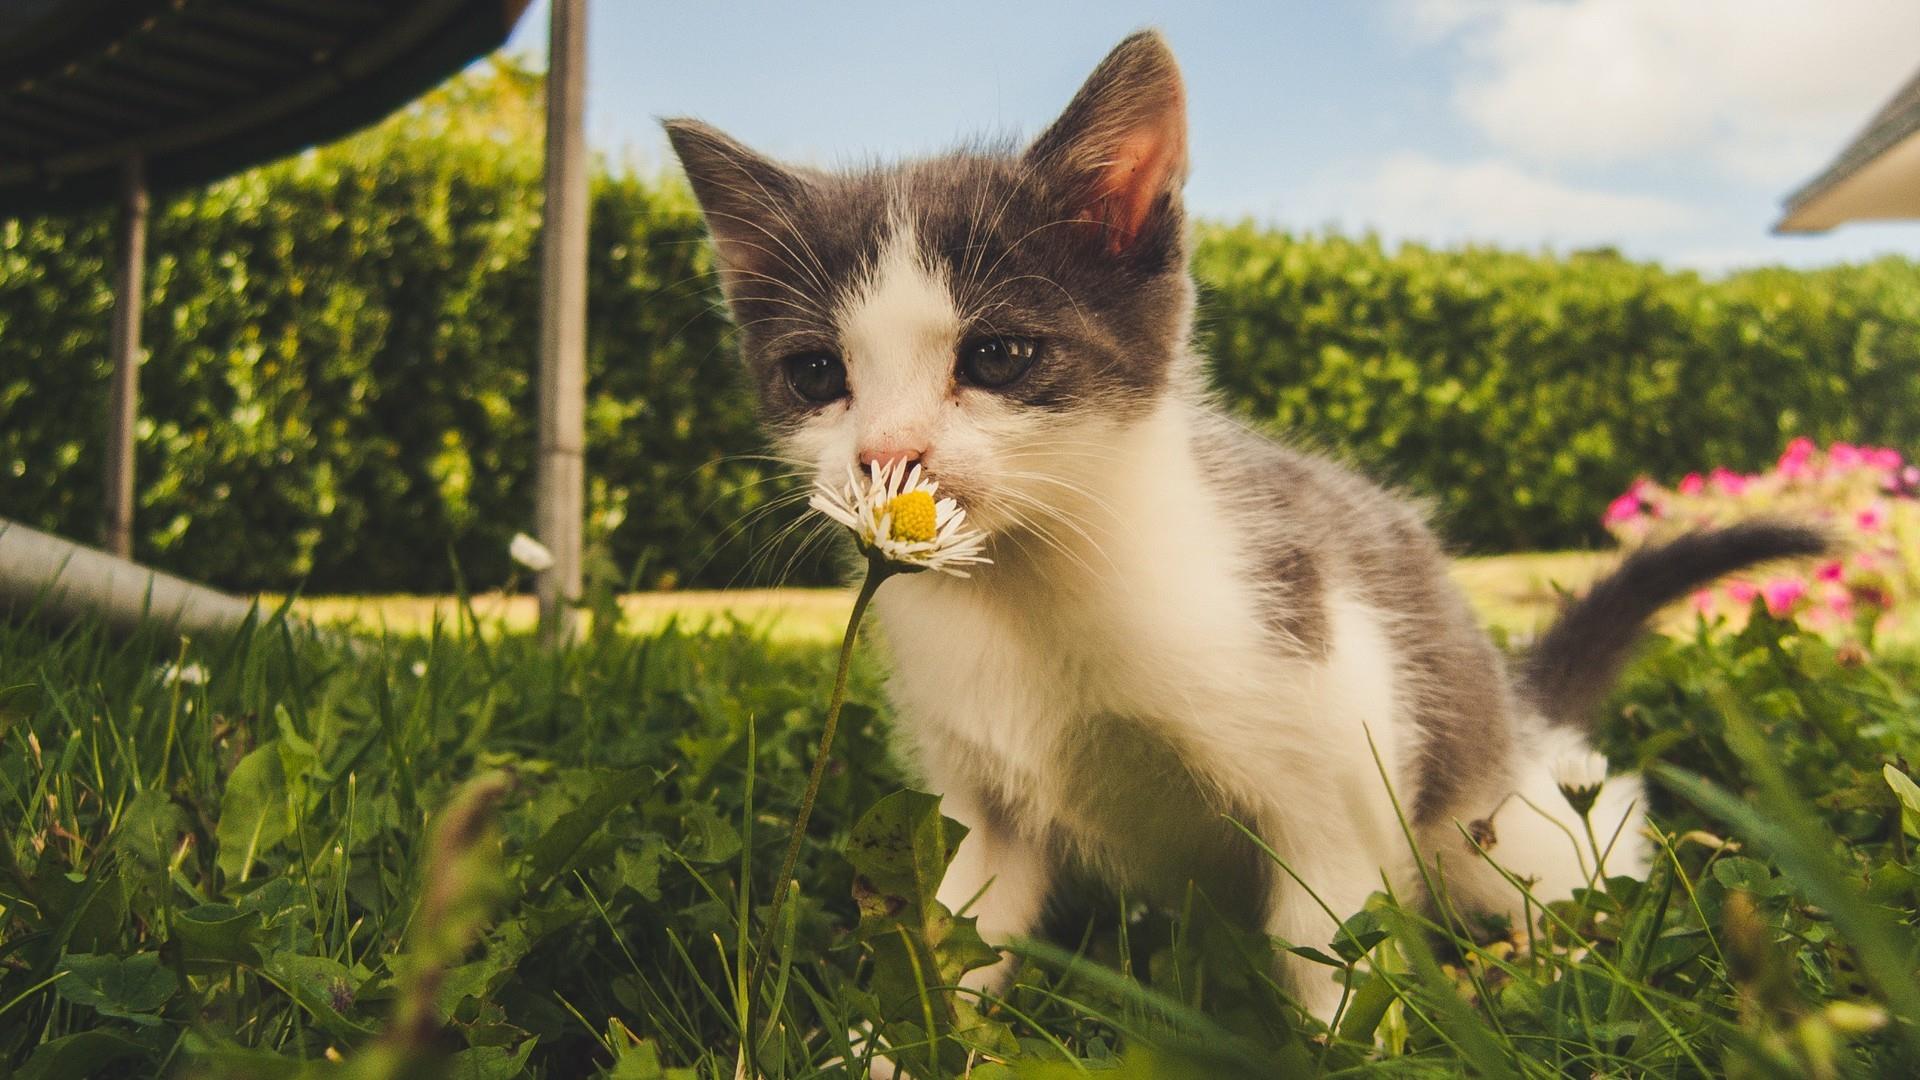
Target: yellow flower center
[(913, 518)]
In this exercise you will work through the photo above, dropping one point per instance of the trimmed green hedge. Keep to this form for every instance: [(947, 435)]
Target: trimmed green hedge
[(1522, 392), (339, 384), (339, 389)]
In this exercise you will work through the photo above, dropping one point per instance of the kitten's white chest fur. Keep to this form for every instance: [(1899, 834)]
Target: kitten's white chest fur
[(1116, 694)]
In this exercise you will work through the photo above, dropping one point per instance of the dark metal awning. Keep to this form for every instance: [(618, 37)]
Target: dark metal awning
[(198, 89), (1876, 178)]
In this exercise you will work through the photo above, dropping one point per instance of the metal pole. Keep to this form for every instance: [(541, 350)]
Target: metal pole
[(123, 396), (44, 574), (560, 499)]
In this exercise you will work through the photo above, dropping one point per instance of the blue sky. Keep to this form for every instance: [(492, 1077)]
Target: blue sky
[(1669, 129)]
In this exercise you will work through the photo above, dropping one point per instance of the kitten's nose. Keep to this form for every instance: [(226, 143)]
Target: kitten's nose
[(892, 456)]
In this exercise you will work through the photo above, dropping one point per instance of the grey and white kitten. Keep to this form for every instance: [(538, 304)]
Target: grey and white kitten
[(1183, 623)]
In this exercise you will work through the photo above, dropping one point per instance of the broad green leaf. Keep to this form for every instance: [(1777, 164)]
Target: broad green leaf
[(253, 810), (640, 870), (1908, 793), (217, 935), (1308, 952), (557, 847), (1748, 875), (639, 1060), (324, 988), (150, 828), (488, 1062), (1366, 1009), (82, 1056), (899, 850), (17, 702), (1357, 935), (709, 838), (130, 987)]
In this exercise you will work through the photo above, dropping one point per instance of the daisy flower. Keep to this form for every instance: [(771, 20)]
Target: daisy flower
[(530, 553), (896, 517), (902, 526), (183, 674), (1580, 777)]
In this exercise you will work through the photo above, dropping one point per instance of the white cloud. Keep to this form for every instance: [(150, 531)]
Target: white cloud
[(1763, 91), (1413, 196)]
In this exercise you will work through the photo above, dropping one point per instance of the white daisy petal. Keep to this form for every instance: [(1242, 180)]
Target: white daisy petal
[(866, 507), (530, 553)]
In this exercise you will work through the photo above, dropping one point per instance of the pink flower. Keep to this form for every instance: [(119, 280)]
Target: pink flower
[(1728, 481), (1703, 601), (1831, 571), (1840, 602), (1846, 456), (1872, 518), (1622, 510), (1782, 594), (1692, 484), (1794, 461), (1742, 592), (1884, 459)]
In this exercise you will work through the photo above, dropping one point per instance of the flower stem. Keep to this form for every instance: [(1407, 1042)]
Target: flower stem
[(877, 572)]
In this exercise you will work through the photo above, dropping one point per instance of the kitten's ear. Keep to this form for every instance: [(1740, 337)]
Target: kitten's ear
[(743, 196), (1120, 149)]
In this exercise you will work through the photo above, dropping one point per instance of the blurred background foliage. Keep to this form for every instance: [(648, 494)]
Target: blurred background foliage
[(339, 389)]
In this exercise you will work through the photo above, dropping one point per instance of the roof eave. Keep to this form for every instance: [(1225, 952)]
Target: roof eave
[(1885, 187)]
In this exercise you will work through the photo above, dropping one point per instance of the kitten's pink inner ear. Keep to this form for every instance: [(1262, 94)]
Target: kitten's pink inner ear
[(1146, 164)]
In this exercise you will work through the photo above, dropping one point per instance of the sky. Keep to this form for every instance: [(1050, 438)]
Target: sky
[(1670, 129)]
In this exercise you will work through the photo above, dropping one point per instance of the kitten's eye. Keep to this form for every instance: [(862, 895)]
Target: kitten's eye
[(816, 376), (994, 362)]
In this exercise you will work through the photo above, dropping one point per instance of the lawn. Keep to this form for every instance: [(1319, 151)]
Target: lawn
[(450, 853)]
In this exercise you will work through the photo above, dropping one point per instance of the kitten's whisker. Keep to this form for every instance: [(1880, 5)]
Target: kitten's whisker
[(1029, 234), (1039, 532), (766, 201), (822, 528), (1053, 512), (1019, 184), (1004, 283), (789, 260), (813, 303), (1095, 501), (1066, 448), (763, 555), (741, 525), (801, 466)]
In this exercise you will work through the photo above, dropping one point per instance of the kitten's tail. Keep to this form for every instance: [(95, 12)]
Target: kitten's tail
[(1571, 669)]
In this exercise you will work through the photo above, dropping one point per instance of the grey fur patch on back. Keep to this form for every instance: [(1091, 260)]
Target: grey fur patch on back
[(1326, 527)]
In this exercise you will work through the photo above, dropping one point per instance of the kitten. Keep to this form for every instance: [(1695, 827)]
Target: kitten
[(1183, 623)]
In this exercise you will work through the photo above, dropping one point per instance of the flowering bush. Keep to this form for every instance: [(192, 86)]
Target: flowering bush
[(1865, 495)]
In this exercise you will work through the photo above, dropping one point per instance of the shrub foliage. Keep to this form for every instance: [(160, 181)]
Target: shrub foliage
[(338, 388)]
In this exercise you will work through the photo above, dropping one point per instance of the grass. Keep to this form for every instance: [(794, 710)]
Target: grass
[(450, 853)]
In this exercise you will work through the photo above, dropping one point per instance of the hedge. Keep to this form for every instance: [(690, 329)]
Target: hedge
[(339, 387), (338, 391), (1521, 392)]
